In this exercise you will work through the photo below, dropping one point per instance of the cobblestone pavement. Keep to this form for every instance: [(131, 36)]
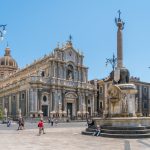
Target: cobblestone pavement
[(64, 136)]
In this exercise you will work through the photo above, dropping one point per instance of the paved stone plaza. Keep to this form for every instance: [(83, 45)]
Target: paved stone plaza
[(64, 136)]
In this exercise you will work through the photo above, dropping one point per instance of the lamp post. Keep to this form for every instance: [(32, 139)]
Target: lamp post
[(2, 32), (112, 62)]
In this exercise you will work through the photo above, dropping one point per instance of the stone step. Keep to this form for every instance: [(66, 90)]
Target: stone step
[(125, 131), (90, 130), (87, 133), (125, 135), (124, 128)]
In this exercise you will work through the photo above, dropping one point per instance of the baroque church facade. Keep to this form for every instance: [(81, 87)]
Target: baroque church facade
[(56, 85)]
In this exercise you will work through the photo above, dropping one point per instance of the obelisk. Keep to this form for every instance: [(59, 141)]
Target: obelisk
[(120, 25)]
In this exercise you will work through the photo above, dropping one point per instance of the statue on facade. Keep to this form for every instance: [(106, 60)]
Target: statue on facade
[(70, 76), (5, 112), (19, 113)]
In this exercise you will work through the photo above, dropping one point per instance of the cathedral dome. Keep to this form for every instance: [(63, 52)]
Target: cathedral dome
[(7, 64), (7, 60)]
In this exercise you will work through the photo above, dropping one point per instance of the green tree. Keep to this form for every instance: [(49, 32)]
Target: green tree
[(1, 113)]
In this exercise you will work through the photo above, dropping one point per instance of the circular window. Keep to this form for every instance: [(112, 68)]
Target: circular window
[(44, 98)]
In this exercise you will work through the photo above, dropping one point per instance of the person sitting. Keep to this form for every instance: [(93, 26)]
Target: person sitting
[(90, 124), (98, 131)]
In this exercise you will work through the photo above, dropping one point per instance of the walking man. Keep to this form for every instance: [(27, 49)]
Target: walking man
[(41, 127)]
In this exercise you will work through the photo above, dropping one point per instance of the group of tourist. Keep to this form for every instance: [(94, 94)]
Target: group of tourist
[(90, 124), (97, 128), (21, 124)]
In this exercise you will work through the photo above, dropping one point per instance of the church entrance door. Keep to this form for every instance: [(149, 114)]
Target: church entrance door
[(69, 110), (89, 111), (45, 110)]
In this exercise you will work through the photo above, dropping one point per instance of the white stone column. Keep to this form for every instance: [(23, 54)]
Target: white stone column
[(35, 100), (140, 100), (27, 102), (92, 105), (131, 104), (148, 101), (105, 106), (9, 104), (31, 103), (55, 102), (17, 102)]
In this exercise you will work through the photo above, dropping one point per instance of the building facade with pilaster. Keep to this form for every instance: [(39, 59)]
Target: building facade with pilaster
[(56, 85)]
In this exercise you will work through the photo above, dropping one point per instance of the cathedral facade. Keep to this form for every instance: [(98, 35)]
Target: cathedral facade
[(56, 86)]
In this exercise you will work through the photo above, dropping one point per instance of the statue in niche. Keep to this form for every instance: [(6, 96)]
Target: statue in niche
[(70, 76), (70, 72), (5, 112)]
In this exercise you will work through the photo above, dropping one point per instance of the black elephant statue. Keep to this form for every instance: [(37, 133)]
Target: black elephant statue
[(124, 76)]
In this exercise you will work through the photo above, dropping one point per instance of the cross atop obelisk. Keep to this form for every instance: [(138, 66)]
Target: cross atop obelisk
[(120, 25)]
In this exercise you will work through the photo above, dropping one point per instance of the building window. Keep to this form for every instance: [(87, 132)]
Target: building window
[(101, 105), (42, 73), (101, 89), (23, 96), (44, 98), (145, 105), (88, 101)]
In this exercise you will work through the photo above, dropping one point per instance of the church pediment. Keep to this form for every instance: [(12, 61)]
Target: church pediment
[(70, 55)]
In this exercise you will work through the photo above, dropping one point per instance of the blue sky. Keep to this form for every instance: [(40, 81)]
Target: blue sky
[(34, 27)]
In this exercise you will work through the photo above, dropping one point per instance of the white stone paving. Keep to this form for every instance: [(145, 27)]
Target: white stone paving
[(69, 138)]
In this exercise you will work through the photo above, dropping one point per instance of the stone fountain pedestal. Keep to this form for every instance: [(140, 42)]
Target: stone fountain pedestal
[(121, 120), (121, 100)]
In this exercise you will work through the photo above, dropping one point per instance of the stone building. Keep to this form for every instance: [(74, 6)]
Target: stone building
[(142, 97), (57, 85)]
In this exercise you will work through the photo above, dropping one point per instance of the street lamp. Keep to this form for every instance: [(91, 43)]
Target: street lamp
[(2, 32), (112, 62)]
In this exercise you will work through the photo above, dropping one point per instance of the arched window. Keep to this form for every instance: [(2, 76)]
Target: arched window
[(70, 72)]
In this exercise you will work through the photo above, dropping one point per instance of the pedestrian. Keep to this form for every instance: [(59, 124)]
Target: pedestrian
[(90, 123), (19, 124), (98, 131), (22, 123), (8, 123), (49, 120), (56, 122), (52, 121), (41, 127)]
